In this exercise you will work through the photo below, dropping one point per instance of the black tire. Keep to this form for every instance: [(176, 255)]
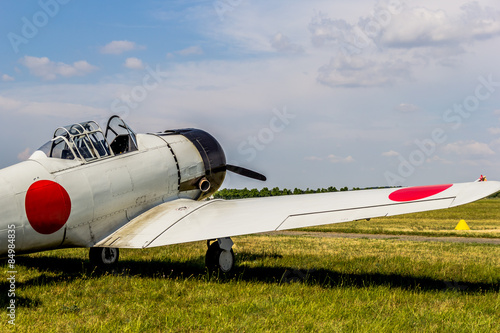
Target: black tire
[(104, 256), (219, 260)]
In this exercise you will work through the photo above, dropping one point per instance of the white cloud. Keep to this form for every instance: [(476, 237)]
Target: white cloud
[(282, 43), (494, 130), (336, 159), (390, 153), (394, 44), (438, 159), (406, 108), (133, 63), (468, 148), (419, 26), (120, 46), (361, 72), (7, 78), (50, 70), (326, 31), (192, 50)]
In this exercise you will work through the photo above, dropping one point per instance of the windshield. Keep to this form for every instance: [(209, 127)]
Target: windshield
[(123, 139), (84, 141)]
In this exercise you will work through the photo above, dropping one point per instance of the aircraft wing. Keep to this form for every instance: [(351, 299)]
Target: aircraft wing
[(185, 220)]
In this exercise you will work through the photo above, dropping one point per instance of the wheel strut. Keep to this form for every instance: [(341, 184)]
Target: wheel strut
[(104, 256), (220, 255)]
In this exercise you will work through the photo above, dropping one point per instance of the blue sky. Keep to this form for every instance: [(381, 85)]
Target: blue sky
[(312, 94)]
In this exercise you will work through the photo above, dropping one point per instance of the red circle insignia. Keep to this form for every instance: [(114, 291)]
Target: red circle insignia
[(417, 193), (48, 206)]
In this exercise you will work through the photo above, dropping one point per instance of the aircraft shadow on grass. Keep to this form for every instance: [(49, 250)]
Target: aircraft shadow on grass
[(54, 270)]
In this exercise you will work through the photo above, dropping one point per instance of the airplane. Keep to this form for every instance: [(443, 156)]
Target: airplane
[(112, 189)]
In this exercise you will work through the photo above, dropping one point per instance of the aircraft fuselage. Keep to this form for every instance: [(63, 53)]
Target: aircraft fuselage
[(57, 203)]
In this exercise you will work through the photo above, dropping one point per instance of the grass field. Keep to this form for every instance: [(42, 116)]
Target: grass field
[(282, 283)]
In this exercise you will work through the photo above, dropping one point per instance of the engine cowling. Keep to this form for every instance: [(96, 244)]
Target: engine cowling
[(213, 158)]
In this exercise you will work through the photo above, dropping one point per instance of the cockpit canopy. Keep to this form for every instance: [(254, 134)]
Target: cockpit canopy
[(86, 141)]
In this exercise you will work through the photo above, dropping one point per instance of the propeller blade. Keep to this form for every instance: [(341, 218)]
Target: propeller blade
[(245, 172)]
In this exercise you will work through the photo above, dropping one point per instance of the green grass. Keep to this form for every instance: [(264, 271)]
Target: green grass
[(282, 283), (483, 218)]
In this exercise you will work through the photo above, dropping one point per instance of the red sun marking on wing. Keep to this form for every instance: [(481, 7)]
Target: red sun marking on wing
[(48, 206), (417, 193)]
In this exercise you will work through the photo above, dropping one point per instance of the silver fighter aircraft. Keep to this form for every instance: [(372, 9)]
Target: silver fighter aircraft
[(113, 189)]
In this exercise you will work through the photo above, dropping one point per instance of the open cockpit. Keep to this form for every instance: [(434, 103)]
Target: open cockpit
[(86, 142)]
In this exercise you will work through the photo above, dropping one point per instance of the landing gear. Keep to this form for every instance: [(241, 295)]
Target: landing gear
[(220, 255), (103, 256)]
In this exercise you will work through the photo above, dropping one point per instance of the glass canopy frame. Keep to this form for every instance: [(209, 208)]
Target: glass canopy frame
[(85, 141)]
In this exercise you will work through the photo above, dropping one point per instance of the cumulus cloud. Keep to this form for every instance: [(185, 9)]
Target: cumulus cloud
[(468, 148), (419, 26), (337, 159), (394, 43), (7, 78), (133, 63), (406, 27), (120, 46), (282, 43), (192, 50), (50, 70), (349, 38), (359, 72)]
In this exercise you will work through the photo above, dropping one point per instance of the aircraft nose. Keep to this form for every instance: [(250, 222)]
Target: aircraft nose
[(212, 154)]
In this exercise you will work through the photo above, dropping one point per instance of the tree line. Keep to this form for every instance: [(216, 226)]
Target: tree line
[(266, 192)]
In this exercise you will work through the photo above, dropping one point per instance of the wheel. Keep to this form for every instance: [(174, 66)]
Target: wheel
[(218, 259), (104, 256)]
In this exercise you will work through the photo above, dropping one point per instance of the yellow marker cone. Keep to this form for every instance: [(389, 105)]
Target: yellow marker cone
[(462, 225)]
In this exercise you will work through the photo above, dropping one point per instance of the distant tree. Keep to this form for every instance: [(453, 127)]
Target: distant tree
[(265, 192), (244, 193), (275, 192), (254, 193)]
